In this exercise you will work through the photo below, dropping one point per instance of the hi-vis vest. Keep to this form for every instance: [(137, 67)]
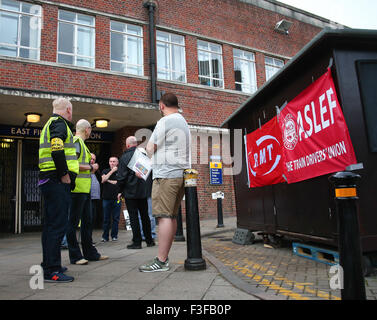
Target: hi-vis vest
[(46, 163), (83, 179)]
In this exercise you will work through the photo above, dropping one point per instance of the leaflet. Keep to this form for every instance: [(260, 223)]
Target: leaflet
[(140, 163)]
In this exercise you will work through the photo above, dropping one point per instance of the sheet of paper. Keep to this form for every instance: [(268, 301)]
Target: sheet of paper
[(141, 164)]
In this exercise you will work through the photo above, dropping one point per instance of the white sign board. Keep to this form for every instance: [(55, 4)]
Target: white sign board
[(218, 195)]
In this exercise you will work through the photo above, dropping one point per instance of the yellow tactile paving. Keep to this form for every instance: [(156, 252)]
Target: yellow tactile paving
[(259, 267)]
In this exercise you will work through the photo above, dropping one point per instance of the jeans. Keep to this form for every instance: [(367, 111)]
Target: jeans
[(64, 241), (153, 221), (57, 201), (134, 206), (111, 209), (81, 209)]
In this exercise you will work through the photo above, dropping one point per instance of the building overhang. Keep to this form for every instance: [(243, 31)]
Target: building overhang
[(14, 103)]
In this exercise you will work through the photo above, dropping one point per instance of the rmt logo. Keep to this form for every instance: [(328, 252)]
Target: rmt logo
[(268, 154)]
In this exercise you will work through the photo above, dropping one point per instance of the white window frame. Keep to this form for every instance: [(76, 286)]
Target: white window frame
[(75, 47), (252, 87), (171, 44), (38, 23), (210, 52), (125, 44), (275, 66)]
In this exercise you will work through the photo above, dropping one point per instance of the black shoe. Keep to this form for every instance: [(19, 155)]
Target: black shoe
[(58, 277), (151, 244), (134, 246)]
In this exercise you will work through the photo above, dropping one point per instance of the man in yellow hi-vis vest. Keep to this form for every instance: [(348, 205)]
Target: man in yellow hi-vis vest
[(58, 167), (81, 203)]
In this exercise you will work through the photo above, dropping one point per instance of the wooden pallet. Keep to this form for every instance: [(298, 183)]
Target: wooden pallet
[(317, 254)]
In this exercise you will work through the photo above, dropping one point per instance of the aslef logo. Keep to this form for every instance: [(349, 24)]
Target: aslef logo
[(290, 136), (266, 158)]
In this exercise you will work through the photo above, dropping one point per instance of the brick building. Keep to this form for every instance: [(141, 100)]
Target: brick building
[(213, 54)]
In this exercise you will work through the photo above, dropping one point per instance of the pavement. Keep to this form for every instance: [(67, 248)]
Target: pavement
[(233, 271)]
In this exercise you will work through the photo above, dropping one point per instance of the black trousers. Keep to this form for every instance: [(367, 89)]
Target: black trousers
[(134, 206), (81, 209), (57, 201)]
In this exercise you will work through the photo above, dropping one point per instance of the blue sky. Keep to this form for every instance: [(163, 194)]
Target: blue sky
[(360, 14)]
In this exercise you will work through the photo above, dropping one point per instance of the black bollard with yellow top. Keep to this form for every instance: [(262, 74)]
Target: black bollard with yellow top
[(350, 256), (194, 259)]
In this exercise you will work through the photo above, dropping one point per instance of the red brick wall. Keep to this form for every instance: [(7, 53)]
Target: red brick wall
[(102, 43), (71, 81), (226, 20), (49, 33), (232, 21), (235, 21)]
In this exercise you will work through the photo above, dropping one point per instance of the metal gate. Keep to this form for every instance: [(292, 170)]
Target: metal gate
[(21, 206), (8, 182), (31, 204)]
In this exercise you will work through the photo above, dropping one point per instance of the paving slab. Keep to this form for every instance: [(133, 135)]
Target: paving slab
[(234, 272)]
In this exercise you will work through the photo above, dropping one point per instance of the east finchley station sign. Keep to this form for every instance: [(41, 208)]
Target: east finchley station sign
[(309, 138), (15, 131)]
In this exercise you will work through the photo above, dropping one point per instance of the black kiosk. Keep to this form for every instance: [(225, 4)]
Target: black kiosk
[(306, 210)]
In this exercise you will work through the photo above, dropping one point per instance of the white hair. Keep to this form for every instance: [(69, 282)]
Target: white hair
[(61, 104)]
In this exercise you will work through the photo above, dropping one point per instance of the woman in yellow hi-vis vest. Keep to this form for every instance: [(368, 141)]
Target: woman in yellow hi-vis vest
[(81, 205)]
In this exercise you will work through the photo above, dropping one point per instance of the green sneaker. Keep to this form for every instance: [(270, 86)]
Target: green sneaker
[(155, 265)]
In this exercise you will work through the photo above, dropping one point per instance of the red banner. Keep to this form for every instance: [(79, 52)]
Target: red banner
[(315, 136), (264, 155), (310, 139)]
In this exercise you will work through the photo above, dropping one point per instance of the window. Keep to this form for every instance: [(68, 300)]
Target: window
[(171, 62), (20, 29), (210, 64), (244, 71), (76, 39), (272, 66), (126, 48)]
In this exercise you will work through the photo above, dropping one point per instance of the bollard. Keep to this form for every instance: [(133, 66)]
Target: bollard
[(179, 237), (220, 222), (194, 259), (350, 256)]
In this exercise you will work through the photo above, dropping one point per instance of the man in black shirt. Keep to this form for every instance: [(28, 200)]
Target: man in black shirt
[(134, 191), (110, 203)]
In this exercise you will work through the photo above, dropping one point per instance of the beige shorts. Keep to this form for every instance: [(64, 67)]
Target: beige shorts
[(167, 195)]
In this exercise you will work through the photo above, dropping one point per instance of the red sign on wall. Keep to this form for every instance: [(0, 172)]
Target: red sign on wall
[(310, 138)]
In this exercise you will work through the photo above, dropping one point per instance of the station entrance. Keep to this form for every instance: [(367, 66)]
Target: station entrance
[(21, 205)]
